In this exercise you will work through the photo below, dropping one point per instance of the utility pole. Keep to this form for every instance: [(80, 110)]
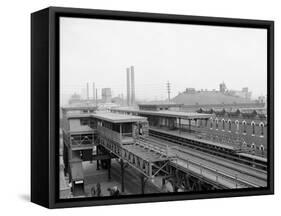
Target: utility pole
[(169, 90)]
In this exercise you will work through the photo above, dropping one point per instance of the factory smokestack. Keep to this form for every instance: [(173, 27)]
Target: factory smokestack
[(94, 92), (87, 91), (132, 85), (96, 97), (128, 86)]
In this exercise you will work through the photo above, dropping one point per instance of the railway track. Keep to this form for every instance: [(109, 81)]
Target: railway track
[(213, 151), (257, 173), (213, 166)]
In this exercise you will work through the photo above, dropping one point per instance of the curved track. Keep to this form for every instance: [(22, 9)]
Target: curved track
[(245, 175), (207, 148)]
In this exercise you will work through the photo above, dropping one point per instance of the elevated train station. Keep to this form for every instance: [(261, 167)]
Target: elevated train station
[(126, 136)]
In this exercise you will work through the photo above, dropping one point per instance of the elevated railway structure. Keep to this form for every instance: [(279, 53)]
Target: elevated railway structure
[(210, 147), (185, 129), (103, 136), (228, 173)]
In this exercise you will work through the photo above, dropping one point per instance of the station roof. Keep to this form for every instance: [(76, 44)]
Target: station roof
[(108, 116), (168, 113), (117, 118)]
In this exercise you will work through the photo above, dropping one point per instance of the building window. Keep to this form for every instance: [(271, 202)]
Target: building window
[(84, 122), (217, 124), (237, 126), (229, 125), (244, 127), (262, 129), (211, 123), (223, 124), (253, 147), (253, 128), (262, 150)]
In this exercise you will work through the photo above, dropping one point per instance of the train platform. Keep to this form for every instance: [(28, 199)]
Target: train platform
[(194, 137), (187, 135)]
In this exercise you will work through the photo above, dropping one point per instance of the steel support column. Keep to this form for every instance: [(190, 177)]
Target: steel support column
[(122, 176), (98, 161), (109, 169), (143, 181)]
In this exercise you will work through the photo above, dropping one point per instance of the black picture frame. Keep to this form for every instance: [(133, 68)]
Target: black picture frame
[(45, 104)]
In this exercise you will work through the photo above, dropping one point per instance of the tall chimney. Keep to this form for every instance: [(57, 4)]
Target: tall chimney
[(96, 97), (94, 93), (128, 86), (87, 91), (132, 85)]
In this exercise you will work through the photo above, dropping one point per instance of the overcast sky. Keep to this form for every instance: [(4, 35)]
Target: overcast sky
[(201, 57)]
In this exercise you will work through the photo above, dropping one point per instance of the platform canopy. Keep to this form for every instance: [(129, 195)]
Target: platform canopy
[(117, 118), (167, 113), (108, 116)]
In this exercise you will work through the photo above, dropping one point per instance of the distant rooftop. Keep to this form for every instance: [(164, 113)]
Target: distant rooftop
[(208, 97)]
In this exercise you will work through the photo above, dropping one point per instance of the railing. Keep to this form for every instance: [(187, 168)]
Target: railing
[(219, 177)]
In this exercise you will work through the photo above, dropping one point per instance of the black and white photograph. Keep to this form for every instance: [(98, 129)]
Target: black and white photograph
[(140, 108), (161, 108)]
